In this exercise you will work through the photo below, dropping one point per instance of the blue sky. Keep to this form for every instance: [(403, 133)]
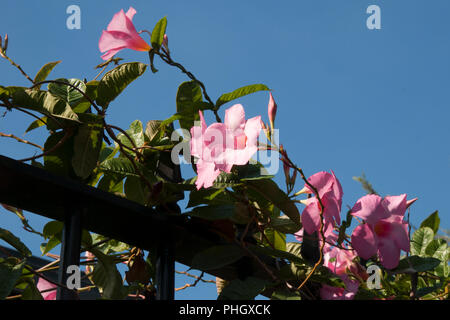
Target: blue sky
[(350, 99)]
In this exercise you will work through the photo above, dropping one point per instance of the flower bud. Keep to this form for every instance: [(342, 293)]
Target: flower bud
[(410, 202), (165, 42), (272, 110), (5, 46)]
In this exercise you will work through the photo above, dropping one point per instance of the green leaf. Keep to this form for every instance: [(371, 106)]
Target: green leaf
[(45, 103), (36, 124), (87, 145), (209, 196), (10, 272), (136, 133), (158, 33), (284, 224), (270, 190), (111, 182), (52, 228), (106, 276), (12, 240), (243, 91), (276, 238), (216, 257), (413, 264), (53, 232), (420, 240), (246, 289), (432, 221), (59, 161), (44, 72), (4, 93), (136, 191), (438, 249), (121, 166), (189, 102), (65, 89), (31, 292), (285, 294), (153, 129), (279, 254), (116, 80)]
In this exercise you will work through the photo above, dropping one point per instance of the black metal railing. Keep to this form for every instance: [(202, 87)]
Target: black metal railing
[(175, 237)]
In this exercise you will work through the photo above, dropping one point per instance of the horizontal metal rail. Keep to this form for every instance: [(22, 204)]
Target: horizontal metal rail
[(175, 237)]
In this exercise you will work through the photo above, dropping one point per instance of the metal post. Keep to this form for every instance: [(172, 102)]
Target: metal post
[(70, 251), (165, 271)]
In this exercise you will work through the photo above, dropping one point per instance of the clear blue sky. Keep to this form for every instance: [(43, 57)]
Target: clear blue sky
[(349, 99)]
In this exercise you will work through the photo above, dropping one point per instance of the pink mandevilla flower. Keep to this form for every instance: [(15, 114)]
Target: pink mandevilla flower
[(222, 145), (121, 34), (44, 285), (340, 261), (330, 192), (384, 233)]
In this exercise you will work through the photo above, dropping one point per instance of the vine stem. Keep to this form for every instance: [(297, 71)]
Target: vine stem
[(66, 136), (168, 59), (20, 140), (322, 208), (17, 66)]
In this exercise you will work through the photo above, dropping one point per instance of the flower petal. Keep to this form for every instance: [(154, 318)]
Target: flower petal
[(389, 253), (44, 285), (364, 241), (395, 205), (235, 117), (370, 208), (207, 173)]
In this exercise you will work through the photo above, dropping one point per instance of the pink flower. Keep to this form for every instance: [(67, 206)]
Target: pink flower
[(44, 285), (222, 145), (333, 293), (384, 233), (330, 193), (121, 34), (271, 110), (340, 262)]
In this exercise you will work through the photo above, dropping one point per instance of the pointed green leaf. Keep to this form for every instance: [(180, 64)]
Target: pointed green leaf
[(12, 240), (112, 182), (420, 240), (45, 103), (413, 264), (432, 221), (136, 191), (36, 124), (158, 33), (44, 72), (68, 89), (59, 161), (87, 145), (243, 91), (106, 276), (10, 272), (116, 80), (121, 166), (189, 102)]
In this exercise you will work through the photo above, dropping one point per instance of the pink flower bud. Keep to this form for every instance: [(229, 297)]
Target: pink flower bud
[(272, 110), (165, 42)]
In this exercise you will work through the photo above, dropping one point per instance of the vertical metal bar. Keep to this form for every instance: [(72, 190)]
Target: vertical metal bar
[(165, 270), (70, 250)]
